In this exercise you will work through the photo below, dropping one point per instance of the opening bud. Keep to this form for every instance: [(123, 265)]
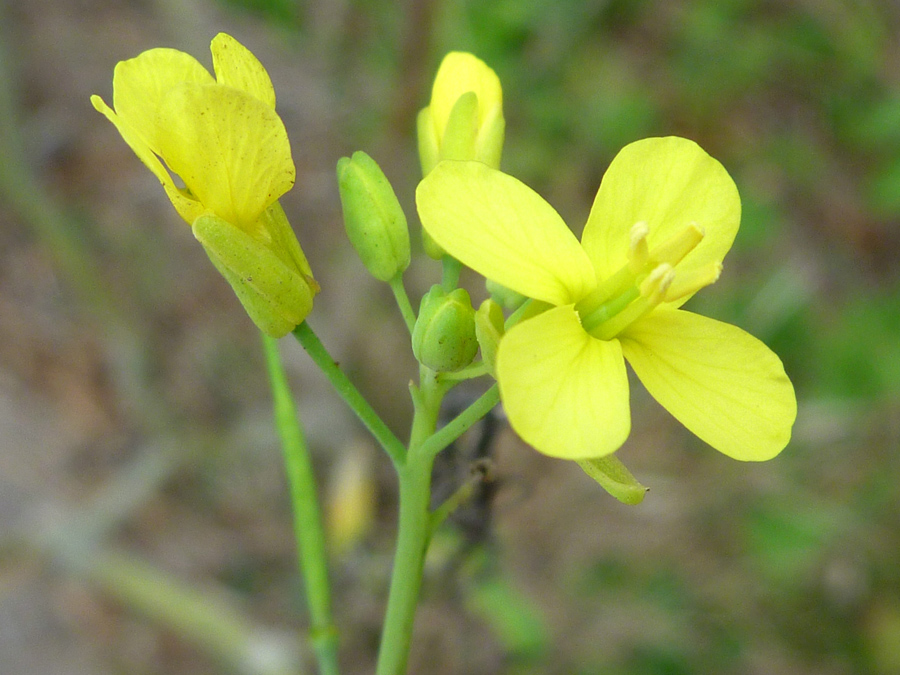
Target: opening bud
[(373, 218), (444, 335)]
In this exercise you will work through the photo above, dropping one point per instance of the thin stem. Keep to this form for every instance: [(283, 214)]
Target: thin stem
[(457, 499), (460, 424), (308, 529), (470, 372), (406, 309), (413, 531), (347, 391), (451, 270)]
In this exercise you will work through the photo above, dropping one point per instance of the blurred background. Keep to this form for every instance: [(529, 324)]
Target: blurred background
[(144, 519)]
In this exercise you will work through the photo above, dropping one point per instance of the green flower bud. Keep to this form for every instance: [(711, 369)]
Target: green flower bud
[(373, 218), (269, 274), (505, 297), (444, 335), (488, 330)]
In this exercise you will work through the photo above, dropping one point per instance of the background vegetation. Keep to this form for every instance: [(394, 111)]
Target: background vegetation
[(138, 465)]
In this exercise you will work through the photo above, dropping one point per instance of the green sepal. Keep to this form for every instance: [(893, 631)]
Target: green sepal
[(428, 142), (462, 129), (615, 478), (276, 297), (488, 330)]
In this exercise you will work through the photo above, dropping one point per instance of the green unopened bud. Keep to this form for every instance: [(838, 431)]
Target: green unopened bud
[(373, 218), (489, 329), (505, 297), (444, 335), (269, 274)]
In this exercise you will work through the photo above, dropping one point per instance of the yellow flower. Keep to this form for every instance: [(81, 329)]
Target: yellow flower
[(223, 139), (664, 217)]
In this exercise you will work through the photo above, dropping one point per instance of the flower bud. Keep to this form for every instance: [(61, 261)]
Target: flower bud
[(373, 218), (488, 330), (444, 335), (464, 120), (505, 297), (465, 117), (269, 275)]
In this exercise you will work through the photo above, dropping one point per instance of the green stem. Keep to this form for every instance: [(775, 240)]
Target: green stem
[(308, 529), (413, 531), (460, 424), (406, 308), (470, 372), (347, 391), (451, 270)]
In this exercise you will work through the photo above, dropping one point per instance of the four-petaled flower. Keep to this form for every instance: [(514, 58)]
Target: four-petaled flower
[(663, 219), (222, 137)]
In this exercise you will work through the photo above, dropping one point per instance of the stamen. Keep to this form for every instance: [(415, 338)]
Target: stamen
[(638, 251), (674, 250), (652, 292), (657, 282), (688, 283)]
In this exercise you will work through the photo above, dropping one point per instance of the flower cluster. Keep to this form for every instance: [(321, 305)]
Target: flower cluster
[(665, 215)]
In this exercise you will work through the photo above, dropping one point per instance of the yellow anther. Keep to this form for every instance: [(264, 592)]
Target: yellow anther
[(674, 249), (688, 283), (638, 251), (657, 283)]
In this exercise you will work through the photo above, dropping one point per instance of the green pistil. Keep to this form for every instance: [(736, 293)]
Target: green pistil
[(592, 318)]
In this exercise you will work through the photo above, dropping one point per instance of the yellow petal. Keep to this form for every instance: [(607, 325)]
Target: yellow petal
[(459, 73), (503, 230), (140, 84), (719, 381), (668, 183), (188, 208), (564, 392), (230, 149), (237, 67)]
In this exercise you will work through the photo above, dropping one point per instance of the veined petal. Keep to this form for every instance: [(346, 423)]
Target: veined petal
[(668, 183), (565, 393), (459, 73), (237, 67), (717, 380), (188, 208), (230, 149), (139, 85), (503, 230)]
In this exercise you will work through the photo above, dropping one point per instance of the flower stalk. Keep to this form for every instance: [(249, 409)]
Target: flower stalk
[(308, 531)]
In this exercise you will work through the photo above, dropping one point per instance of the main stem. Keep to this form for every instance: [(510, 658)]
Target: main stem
[(308, 531), (414, 529)]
